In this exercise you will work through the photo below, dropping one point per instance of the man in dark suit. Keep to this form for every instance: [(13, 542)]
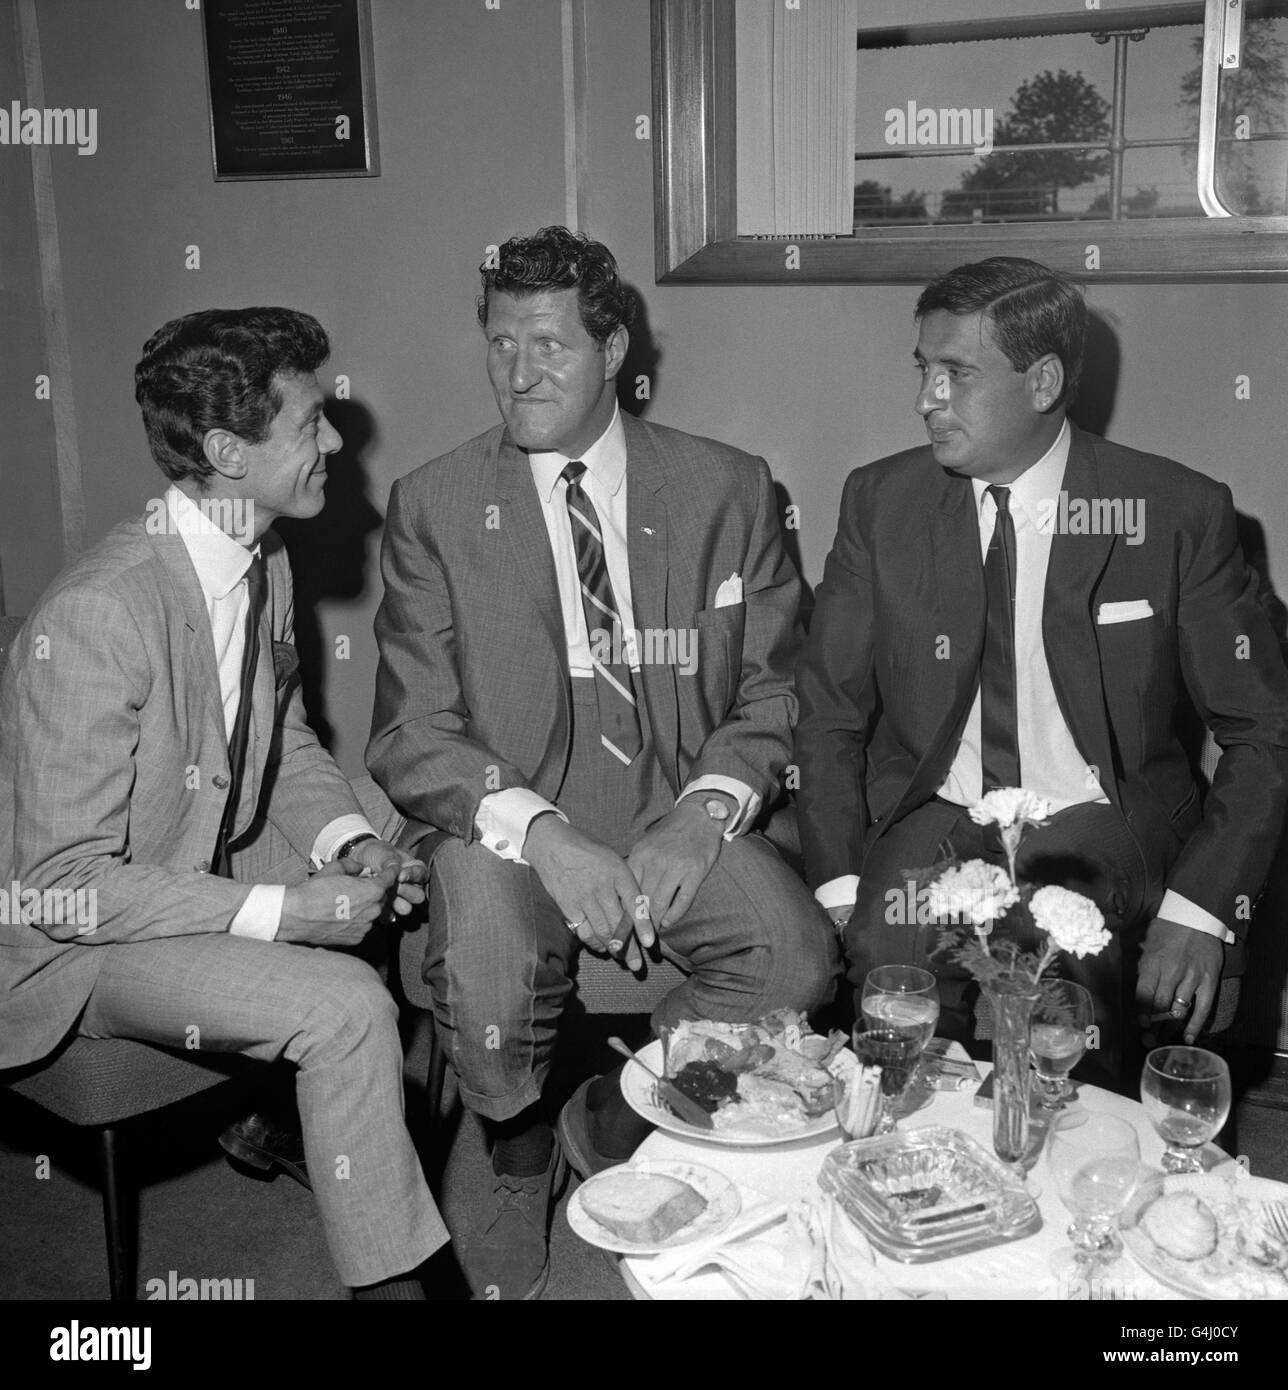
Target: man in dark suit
[(155, 760), (1021, 603), (586, 648)]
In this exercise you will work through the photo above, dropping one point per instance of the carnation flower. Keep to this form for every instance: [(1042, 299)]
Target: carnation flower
[(975, 891), (1008, 806), (1073, 922)]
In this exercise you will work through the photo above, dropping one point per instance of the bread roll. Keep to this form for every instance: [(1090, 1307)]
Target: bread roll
[(644, 1208)]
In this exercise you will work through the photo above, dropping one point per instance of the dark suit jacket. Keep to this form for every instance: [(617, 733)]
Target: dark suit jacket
[(114, 768), (472, 694), (882, 711)]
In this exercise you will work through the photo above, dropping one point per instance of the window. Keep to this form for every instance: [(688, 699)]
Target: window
[(1110, 143)]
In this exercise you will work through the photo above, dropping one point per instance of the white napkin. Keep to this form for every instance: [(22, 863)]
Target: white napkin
[(808, 1250), (730, 592)]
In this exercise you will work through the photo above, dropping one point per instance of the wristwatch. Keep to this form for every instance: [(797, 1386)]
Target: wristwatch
[(352, 843)]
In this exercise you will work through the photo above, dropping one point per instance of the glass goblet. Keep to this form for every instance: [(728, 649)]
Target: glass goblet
[(896, 1052), (903, 999), (1186, 1094), (1094, 1160), (1058, 1038)]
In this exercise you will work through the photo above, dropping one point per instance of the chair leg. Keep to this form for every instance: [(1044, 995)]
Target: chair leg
[(118, 1219)]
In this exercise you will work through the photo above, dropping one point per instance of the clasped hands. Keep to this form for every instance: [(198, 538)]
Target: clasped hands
[(618, 905), (338, 905)]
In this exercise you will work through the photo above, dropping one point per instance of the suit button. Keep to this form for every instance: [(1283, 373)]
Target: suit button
[(220, 780), (202, 866)]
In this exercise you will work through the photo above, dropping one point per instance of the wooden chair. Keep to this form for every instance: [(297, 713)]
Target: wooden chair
[(99, 1084)]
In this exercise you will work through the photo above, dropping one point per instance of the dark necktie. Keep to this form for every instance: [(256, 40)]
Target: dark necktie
[(999, 737), (619, 719), (241, 725)]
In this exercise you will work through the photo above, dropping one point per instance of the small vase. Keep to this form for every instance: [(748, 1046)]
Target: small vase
[(1013, 1002)]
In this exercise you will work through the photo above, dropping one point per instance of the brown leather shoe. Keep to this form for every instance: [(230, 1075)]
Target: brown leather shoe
[(507, 1255), (573, 1131), (263, 1143)]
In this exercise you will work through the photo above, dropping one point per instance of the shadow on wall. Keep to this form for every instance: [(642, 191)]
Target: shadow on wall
[(1101, 367), (643, 358), (329, 552)]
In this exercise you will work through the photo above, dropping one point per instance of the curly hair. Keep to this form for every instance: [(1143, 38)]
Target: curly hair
[(218, 369), (1033, 309), (557, 259)]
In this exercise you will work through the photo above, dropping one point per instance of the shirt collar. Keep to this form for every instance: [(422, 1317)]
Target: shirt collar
[(1038, 482), (605, 461), (221, 562)]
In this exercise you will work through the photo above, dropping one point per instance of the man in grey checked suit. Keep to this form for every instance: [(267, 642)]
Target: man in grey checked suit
[(586, 648), (119, 760)]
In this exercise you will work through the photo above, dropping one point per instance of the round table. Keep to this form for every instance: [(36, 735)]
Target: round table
[(1017, 1269)]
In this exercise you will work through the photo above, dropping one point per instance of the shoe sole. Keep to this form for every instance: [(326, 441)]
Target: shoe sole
[(262, 1160)]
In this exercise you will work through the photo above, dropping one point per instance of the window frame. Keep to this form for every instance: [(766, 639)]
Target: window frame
[(695, 211)]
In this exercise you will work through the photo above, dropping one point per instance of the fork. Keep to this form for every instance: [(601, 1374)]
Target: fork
[(1277, 1215)]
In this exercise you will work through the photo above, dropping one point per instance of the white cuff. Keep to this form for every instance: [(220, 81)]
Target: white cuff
[(334, 833), (1178, 909), (838, 892), (261, 914), (748, 801), (503, 817)]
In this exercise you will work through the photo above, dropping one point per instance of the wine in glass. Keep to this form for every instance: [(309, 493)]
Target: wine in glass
[(1186, 1094), (896, 1052), (902, 999), (1058, 1037), (1095, 1162)]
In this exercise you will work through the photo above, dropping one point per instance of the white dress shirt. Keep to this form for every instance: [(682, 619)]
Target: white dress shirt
[(503, 817), (221, 564), (1050, 763)]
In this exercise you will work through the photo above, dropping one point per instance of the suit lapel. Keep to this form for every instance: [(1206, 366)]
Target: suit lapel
[(524, 525), (201, 674), (648, 547), (959, 575), (1068, 628)]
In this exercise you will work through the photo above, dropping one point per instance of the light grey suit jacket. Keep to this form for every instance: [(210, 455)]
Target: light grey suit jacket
[(114, 769), (472, 694)]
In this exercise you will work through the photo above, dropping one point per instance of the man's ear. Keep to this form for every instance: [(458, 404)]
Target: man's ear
[(225, 453), (1046, 381), (619, 340)]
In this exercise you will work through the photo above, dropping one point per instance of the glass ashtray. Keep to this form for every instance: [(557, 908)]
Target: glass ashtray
[(928, 1193)]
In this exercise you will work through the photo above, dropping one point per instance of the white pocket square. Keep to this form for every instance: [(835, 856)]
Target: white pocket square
[(730, 592), (1127, 611)]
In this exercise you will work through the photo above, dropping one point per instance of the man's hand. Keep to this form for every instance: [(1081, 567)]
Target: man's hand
[(596, 891), (335, 907), (672, 858), (1180, 969), (379, 855)]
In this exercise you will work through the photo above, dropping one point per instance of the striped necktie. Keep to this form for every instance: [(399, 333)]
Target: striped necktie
[(619, 719), (241, 724), (999, 724)]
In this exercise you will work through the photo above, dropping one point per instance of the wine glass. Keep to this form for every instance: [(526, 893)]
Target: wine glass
[(1058, 1038), (1094, 1160), (1186, 1094), (896, 1052), (903, 998)]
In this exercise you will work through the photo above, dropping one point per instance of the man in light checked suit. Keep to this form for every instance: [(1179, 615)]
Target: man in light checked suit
[(589, 792), (121, 754)]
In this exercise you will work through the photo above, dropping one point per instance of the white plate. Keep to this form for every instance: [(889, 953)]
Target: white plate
[(638, 1088), (1210, 1278), (723, 1204)]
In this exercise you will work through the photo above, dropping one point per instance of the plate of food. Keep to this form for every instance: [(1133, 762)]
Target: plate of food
[(646, 1206), (1205, 1234), (762, 1083)]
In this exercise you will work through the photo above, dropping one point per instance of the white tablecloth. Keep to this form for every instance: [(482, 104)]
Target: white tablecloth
[(1018, 1269)]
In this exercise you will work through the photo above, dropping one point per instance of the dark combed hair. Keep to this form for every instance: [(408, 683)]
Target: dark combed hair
[(557, 259), (217, 369), (1033, 309)]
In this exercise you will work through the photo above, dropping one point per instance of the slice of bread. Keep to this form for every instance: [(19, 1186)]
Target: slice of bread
[(645, 1208)]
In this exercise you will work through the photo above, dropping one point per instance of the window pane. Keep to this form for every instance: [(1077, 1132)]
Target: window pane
[(1251, 165)]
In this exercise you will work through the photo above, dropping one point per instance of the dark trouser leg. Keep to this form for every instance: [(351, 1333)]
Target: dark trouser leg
[(497, 963)]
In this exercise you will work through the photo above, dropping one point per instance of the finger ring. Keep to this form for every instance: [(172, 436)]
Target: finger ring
[(577, 925), (1184, 1003)]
